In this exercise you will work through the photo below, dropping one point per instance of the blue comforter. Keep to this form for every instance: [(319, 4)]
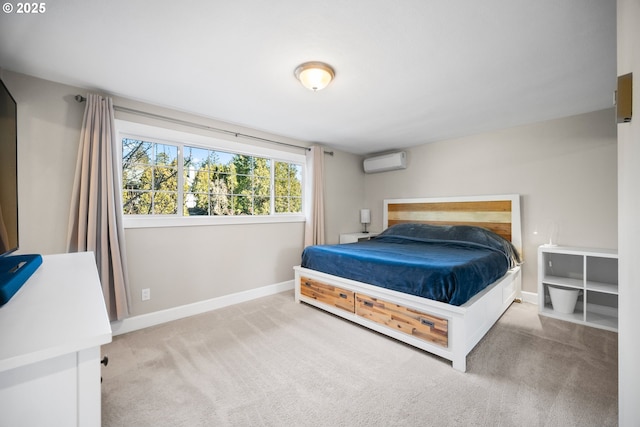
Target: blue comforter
[(444, 263)]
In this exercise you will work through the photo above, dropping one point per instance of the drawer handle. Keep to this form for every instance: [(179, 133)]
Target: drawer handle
[(427, 322), (343, 295), (368, 303), (307, 283)]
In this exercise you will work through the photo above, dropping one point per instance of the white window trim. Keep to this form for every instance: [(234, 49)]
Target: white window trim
[(130, 129)]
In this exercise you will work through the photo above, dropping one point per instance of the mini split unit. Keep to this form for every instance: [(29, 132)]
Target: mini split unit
[(386, 162)]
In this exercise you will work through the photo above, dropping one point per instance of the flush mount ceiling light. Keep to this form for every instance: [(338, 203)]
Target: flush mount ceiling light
[(314, 75)]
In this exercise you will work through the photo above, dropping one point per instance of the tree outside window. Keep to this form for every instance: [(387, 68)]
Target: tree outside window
[(212, 182)]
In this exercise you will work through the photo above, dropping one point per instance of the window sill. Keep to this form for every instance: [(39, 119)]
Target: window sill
[(168, 221)]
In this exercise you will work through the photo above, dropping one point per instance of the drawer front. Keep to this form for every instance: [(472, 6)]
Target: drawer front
[(328, 294), (412, 322)]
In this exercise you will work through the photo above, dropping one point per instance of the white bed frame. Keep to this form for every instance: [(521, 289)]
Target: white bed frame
[(467, 324)]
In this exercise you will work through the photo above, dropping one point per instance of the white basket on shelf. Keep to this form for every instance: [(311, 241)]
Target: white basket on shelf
[(563, 300)]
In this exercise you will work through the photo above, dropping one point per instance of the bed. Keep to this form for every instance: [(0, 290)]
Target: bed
[(472, 246)]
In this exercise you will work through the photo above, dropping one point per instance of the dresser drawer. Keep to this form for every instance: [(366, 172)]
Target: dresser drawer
[(411, 322), (328, 294)]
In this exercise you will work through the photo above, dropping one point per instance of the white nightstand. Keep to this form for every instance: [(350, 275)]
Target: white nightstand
[(356, 237)]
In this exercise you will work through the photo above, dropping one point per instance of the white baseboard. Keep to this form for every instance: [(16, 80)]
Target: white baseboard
[(530, 297), (156, 318), (151, 319)]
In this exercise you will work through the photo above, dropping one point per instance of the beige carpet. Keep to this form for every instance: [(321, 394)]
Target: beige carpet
[(272, 362)]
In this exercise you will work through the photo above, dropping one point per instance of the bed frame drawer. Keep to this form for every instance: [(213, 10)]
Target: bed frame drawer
[(412, 322), (328, 294)]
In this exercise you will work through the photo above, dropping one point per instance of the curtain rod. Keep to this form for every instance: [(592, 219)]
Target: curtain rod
[(81, 98)]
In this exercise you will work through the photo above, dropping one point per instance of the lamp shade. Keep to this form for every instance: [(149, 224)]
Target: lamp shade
[(314, 75), (365, 216)]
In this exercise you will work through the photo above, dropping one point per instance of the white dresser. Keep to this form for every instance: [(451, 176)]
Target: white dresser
[(50, 337)]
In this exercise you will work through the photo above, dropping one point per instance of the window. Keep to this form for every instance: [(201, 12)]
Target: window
[(221, 183), (288, 188), (185, 175), (149, 177)]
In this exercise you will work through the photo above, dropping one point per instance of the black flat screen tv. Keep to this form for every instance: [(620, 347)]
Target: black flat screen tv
[(15, 270), (8, 173)]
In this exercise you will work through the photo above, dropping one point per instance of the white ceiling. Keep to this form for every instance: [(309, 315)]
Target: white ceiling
[(408, 72)]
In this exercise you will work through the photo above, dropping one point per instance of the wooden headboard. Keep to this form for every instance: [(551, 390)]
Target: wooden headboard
[(500, 214)]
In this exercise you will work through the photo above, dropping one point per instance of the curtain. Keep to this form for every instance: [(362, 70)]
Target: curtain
[(314, 227), (95, 222)]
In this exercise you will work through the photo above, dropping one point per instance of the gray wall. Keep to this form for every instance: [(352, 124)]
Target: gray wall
[(565, 170), (344, 185), (49, 122), (180, 265)]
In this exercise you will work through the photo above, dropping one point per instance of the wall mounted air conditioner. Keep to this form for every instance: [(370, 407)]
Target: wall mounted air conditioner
[(386, 162)]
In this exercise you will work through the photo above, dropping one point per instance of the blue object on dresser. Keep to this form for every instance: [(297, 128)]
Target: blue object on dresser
[(15, 270)]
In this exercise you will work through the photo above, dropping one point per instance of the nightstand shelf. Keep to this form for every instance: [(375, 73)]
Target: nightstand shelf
[(592, 272), (577, 316), (566, 282), (356, 237)]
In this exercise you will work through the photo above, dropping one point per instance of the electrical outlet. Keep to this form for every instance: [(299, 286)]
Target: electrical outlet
[(146, 294)]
